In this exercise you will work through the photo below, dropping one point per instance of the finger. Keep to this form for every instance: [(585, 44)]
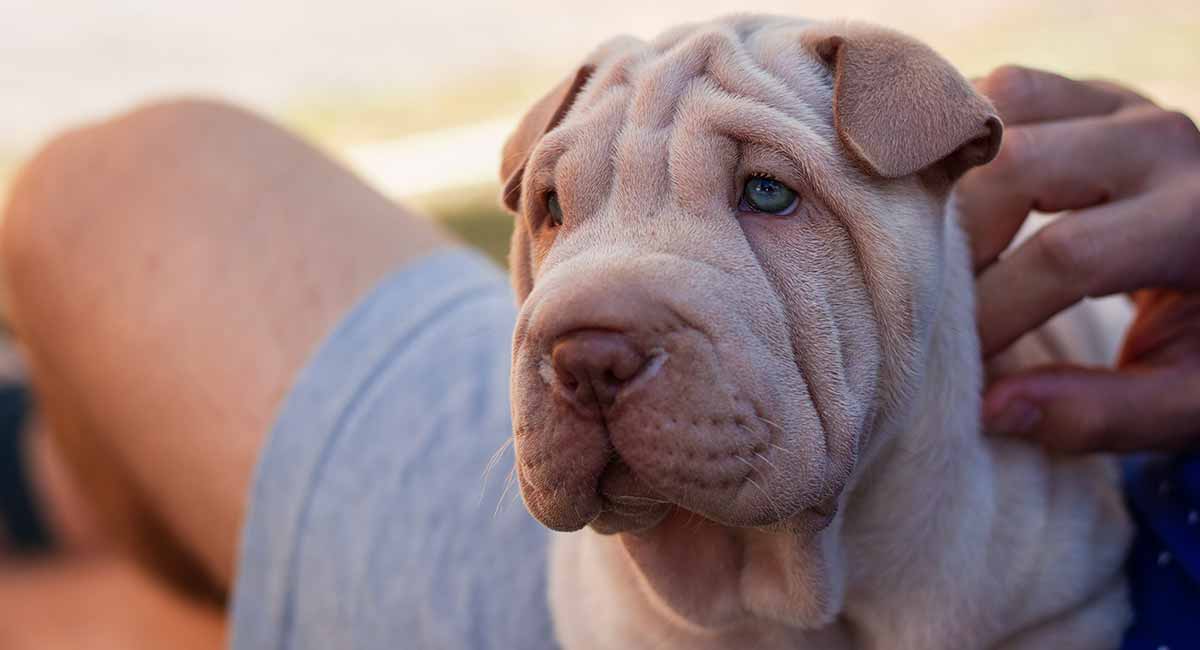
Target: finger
[(1084, 410), (1166, 330), (1024, 95), (1058, 166), (1147, 241), (1132, 97)]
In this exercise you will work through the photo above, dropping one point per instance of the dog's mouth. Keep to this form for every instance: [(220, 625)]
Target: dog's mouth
[(629, 505), (627, 502), (708, 448), (685, 423)]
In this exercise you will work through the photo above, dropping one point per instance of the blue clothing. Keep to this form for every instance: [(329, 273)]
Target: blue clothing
[(370, 522), (1164, 566)]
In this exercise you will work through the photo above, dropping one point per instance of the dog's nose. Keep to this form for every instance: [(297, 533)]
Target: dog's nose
[(593, 365)]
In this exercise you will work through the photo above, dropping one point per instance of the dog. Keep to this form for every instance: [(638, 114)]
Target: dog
[(746, 368)]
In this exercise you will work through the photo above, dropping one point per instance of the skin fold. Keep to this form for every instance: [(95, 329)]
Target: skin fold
[(765, 428)]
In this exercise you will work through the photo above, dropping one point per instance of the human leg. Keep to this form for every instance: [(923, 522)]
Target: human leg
[(170, 271)]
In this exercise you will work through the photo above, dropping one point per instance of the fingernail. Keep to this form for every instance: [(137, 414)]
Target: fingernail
[(1018, 417)]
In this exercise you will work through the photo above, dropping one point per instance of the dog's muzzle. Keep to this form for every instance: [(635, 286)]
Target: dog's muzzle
[(617, 426)]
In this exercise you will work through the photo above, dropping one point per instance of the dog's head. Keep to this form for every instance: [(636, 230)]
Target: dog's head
[(728, 250)]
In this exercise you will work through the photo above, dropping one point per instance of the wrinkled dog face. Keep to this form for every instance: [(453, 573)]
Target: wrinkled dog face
[(679, 349)]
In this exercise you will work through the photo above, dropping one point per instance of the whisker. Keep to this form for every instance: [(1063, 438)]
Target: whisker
[(785, 450), (769, 423), (508, 483), (575, 507), (495, 458), (516, 496), (491, 465), (774, 506), (767, 461)]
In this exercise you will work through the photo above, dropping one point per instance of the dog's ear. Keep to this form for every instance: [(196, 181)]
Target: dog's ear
[(544, 116), (899, 107), (520, 265)]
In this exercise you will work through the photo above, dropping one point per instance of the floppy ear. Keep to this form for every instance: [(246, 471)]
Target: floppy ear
[(544, 116), (520, 266), (899, 107)]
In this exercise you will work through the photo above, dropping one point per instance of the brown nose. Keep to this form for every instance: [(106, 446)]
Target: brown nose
[(593, 365)]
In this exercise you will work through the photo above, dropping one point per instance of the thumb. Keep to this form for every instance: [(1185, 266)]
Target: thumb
[(1074, 409)]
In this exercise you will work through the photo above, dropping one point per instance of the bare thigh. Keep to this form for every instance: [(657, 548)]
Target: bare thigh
[(170, 271)]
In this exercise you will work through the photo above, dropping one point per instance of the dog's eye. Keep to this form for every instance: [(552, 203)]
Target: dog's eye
[(554, 208), (762, 194)]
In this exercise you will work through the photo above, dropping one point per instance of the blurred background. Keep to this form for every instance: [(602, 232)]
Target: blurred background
[(418, 97)]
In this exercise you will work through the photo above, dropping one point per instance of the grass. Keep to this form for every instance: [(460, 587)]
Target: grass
[(475, 215)]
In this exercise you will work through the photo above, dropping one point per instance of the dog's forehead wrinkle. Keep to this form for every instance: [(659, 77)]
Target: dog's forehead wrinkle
[(717, 52), (740, 79), (539, 169), (741, 71), (780, 54), (584, 174), (587, 132), (746, 122), (615, 70), (691, 56)]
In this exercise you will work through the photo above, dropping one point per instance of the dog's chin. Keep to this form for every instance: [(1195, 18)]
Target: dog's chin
[(633, 517), (630, 518), (629, 505)]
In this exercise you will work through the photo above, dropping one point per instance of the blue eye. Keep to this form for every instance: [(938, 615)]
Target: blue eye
[(555, 210), (762, 194)]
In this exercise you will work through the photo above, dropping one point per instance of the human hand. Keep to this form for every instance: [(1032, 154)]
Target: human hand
[(1129, 173)]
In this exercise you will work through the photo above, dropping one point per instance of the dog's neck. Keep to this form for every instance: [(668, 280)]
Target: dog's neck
[(926, 449), (922, 484)]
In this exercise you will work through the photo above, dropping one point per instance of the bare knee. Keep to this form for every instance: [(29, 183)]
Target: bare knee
[(104, 199), (43, 208), (73, 205), (36, 204)]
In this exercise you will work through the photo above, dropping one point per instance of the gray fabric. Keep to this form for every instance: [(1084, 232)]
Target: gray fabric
[(370, 524)]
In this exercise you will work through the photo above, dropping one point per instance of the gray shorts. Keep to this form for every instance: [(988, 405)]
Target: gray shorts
[(371, 523)]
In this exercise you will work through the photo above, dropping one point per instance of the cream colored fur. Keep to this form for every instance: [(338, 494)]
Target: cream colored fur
[(799, 464)]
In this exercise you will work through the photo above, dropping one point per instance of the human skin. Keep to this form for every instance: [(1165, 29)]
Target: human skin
[(166, 320), (1128, 173), (99, 603)]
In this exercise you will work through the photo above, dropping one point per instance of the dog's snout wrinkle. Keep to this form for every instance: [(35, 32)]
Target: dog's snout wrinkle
[(593, 365)]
